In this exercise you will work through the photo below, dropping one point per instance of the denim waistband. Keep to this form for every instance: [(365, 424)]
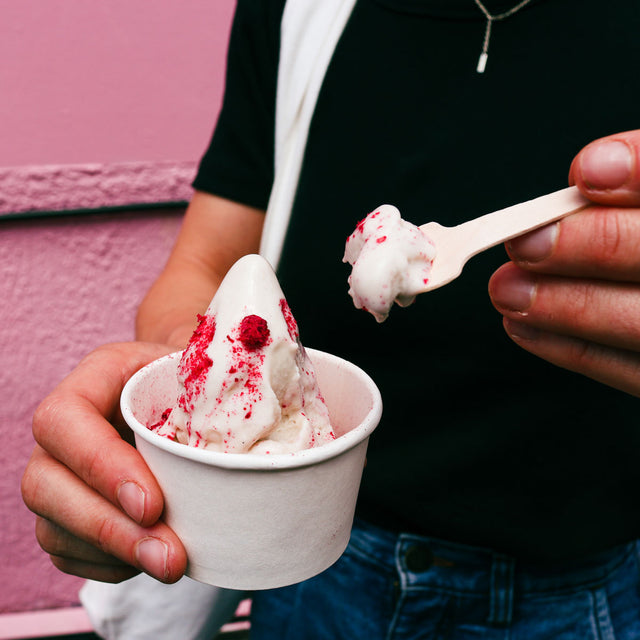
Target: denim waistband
[(422, 562)]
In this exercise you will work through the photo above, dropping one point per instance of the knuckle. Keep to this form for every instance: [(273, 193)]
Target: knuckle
[(93, 470), (584, 353), (43, 416), (580, 302), (607, 314), (26, 486), (32, 485), (612, 235), (106, 534), (610, 232), (111, 358), (51, 415), (623, 315)]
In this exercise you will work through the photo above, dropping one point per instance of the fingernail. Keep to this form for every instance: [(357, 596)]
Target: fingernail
[(131, 498), (513, 289), (534, 246), (152, 555), (521, 331), (606, 165)]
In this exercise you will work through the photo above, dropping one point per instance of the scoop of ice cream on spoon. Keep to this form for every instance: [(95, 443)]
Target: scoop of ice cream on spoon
[(393, 260)]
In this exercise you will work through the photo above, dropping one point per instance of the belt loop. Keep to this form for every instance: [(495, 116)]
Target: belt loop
[(501, 595)]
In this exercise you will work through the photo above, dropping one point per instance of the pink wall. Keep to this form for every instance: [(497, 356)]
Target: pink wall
[(67, 285), (109, 81), (97, 95)]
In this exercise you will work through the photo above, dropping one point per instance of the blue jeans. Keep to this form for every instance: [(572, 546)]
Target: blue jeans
[(406, 587)]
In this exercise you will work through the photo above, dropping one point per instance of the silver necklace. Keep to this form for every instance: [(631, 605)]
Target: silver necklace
[(482, 60)]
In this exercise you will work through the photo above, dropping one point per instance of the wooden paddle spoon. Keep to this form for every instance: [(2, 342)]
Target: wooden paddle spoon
[(455, 245)]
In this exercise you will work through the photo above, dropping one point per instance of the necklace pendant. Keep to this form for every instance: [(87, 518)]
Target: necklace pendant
[(482, 62)]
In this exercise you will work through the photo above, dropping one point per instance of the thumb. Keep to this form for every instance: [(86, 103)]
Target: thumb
[(607, 170)]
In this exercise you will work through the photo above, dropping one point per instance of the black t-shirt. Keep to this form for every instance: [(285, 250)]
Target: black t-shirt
[(480, 442)]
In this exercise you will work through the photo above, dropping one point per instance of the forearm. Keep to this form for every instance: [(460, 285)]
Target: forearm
[(215, 233), (169, 310)]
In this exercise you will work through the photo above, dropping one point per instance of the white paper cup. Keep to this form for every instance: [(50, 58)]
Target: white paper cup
[(259, 521)]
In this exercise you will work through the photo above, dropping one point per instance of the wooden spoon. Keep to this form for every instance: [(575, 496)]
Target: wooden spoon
[(455, 245)]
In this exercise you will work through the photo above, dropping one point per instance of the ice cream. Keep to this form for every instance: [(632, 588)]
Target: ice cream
[(391, 260), (246, 382)]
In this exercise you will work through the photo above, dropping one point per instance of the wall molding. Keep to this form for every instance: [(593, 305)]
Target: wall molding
[(66, 621), (44, 623), (56, 189)]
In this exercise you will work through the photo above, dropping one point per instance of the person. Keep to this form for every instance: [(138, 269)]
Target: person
[(500, 497)]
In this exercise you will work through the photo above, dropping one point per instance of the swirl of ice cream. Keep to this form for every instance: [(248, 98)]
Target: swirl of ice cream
[(391, 260), (246, 382)]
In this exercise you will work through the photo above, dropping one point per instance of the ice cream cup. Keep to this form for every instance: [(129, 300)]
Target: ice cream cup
[(259, 521)]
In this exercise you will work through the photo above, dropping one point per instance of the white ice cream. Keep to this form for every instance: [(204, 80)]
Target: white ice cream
[(246, 382), (391, 260)]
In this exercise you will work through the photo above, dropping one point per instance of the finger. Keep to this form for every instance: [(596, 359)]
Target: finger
[(58, 495), (76, 557), (617, 368), (599, 242), (71, 424), (56, 541), (606, 313), (90, 571), (608, 170)]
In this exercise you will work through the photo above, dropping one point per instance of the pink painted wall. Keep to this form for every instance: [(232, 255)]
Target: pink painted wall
[(90, 84), (67, 285), (109, 81)]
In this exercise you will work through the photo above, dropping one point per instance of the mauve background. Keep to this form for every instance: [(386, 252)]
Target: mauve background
[(94, 97)]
